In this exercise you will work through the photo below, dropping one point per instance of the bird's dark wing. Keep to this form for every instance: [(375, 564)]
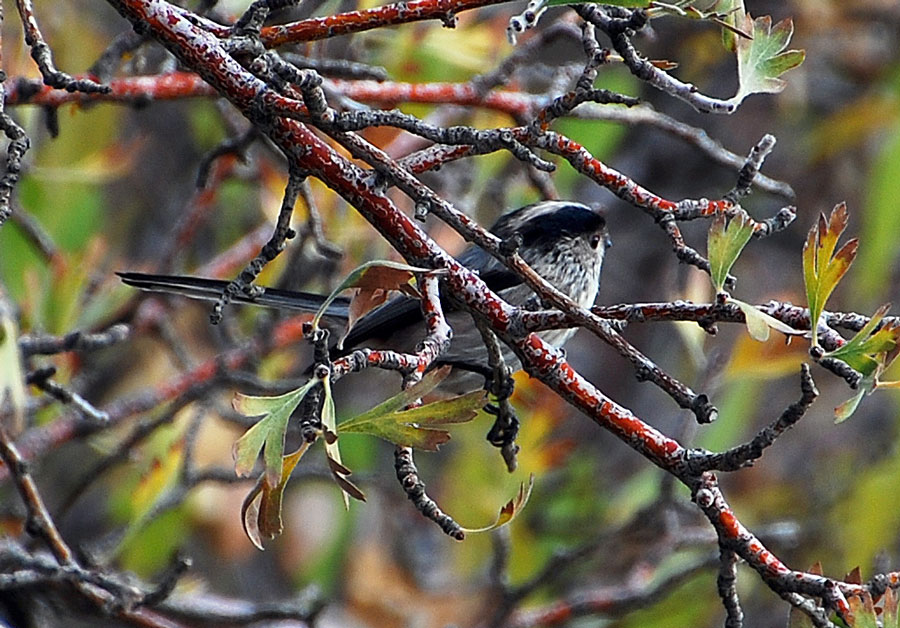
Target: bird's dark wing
[(398, 313), (406, 312), (212, 289)]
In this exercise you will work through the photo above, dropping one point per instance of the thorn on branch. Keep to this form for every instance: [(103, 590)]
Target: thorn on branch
[(35, 233), (337, 68), (313, 229)]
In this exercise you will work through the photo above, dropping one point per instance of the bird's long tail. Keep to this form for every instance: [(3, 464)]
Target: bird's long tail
[(212, 289)]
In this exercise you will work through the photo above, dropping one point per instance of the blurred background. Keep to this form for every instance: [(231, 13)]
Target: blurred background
[(118, 181)]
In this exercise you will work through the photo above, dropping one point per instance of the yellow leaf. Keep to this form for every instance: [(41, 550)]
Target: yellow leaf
[(261, 510), (509, 511)]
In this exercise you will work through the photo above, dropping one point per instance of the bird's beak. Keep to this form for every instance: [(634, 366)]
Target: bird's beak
[(607, 241)]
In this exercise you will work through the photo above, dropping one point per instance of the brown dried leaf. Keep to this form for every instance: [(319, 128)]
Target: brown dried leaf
[(250, 513), (373, 280), (261, 510), (340, 473)]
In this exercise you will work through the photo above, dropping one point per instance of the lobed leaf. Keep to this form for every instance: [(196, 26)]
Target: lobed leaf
[(411, 428), (762, 57), (871, 353), (867, 352), (268, 432), (405, 397), (822, 268)]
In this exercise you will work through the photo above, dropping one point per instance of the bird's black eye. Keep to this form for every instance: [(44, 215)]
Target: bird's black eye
[(595, 240)]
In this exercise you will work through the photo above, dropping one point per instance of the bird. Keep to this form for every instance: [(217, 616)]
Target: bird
[(565, 242)]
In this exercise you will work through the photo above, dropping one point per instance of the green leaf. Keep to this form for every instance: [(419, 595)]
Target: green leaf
[(822, 267), (867, 352), (333, 452), (407, 396), (758, 322), (763, 59), (268, 432), (390, 421), (261, 510), (870, 352), (725, 244), (412, 428), (509, 511), (845, 410)]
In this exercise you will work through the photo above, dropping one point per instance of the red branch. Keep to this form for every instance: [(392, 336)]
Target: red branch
[(376, 17), (181, 85), (140, 89)]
